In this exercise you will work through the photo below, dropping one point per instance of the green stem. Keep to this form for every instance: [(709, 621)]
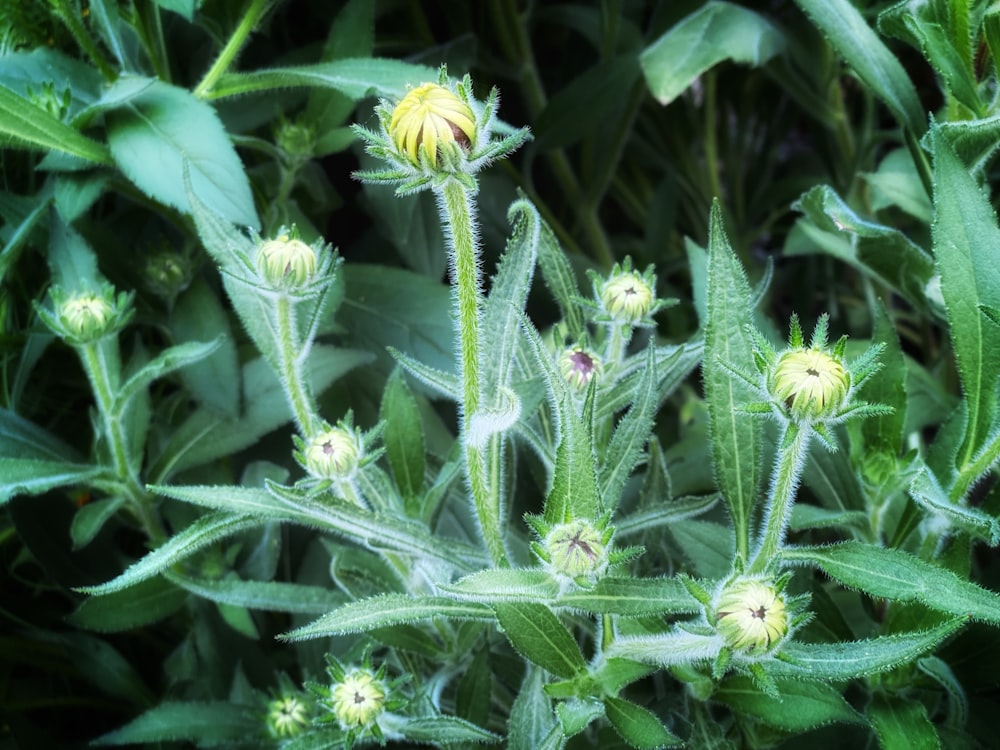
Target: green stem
[(296, 388), (149, 26), (250, 20), (69, 16), (457, 209), (784, 482), (972, 471)]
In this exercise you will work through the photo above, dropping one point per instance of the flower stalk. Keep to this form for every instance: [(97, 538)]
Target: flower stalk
[(296, 388)]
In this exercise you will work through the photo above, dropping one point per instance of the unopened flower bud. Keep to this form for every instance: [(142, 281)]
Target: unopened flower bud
[(811, 382), (579, 366), (333, 454), (627, 297), (85, 316), (431, 115), (167, 273), (358, 699), (287, 716), (286, 262), (576, 549), (751, 616)]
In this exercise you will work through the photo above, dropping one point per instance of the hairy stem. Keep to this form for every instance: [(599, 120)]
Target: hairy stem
[(250, 20), (295, 385), (784, 482)]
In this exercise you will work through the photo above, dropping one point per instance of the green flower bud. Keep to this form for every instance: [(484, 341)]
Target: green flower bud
[(287, 716), (431, 115), (811, 382), (333, 454), (579, 366), (576, 549), (358, 699), (751, 616), (628, 296), (286, 262), (85, 316), (167, 273)]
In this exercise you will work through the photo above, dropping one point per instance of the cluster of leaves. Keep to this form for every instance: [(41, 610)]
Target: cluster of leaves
[(164, 556)]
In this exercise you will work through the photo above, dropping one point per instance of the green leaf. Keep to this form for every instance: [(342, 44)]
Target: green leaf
[(532, 724), (21, 438), (538, 635), (632, 597), (505, 585), (574, 493), (203, 532), (801, 707), (474, 690), (577, 715), (896, 182), (143, 604), (848, 32), (168, 127), (557, 273), (899, 576), (169, 360), (717, 31), (446, 730), (203, 723), (667, 512), (198, 315), (386, 611), (928, 493), (72, 260), (638, 726), (403, 436), (901, 723), (965, 237), (25, 125), (18, 237), (975, 142), (90, 519), (27, 476), (272, 596), (939, 671), (735, 436), (887, 386), (356, 78), (848, 660)]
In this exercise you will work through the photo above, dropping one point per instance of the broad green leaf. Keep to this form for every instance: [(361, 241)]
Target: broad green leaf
[(143, 604), (630, 436), (574, 493), (538, 635), (170, 128), (356, 78), (735, 436), (198, 315), (848, 660), (204, 723), (169, 360), (901, 723), (403, 436), (446, 730), (29, 476), (631, 597), (707, 544), (500, 324), (717, 31), (71, 259), (899, 576), (387, 611), (965, 237), (25, 125), (75, 194), (880, 252), (845, 28), (272, 596), (638, 726), (887, 386), (801, 707), (576, 715), (203, 532)]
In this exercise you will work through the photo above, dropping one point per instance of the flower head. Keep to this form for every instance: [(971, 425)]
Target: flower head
[(811, 382), (358, 699), (286, 261), (431, 116), (751, 616), (333, 453), (85, 315), (579, 366), (287, 716), (576, 549), (626, 297)]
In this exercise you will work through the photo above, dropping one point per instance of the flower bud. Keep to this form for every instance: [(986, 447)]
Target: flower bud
[(811, 382), (167, 273), (333, 454), (286, 262), (358, 699), (85, 316), (576, 549), (579, 366), (628, 296), (751, 616), (431, 115), (287, 716)]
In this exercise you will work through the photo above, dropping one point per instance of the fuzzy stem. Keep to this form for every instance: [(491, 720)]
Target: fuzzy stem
[(69, 16), (974, 469), (457, 209), (296, 388), (250, 20), (784, 482)]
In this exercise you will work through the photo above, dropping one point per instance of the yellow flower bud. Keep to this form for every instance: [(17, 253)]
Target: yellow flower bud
[(576, 549), (431, 115), (358, 699), (85, 315), (627, 297), (333, 454), (579, 366), (286, 262), (751, 616), (811, 382)]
